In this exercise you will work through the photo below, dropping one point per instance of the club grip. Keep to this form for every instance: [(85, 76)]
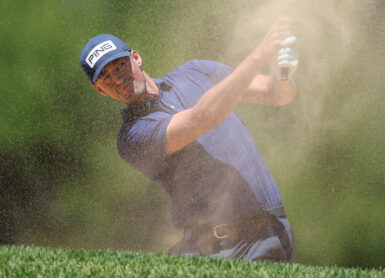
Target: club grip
[(284, 74)]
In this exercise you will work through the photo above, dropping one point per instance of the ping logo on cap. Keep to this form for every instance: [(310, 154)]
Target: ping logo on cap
[(98, 51)]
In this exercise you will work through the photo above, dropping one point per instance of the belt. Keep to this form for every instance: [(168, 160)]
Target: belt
[(244, 226)]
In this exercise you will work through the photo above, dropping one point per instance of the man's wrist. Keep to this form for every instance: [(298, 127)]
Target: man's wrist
[(261, 55), (259, 59)]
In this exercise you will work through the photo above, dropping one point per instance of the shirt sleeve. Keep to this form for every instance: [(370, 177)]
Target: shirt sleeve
[(215, 71), (143, 144)]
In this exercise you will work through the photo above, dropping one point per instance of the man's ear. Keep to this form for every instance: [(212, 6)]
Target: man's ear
[(135, 55), (100, 90)]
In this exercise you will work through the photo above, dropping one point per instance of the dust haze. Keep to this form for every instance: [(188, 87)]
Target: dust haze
[(63, 184), (330, 37)]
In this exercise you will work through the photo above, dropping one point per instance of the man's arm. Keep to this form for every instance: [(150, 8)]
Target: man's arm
[(270, 90), (216, 104)]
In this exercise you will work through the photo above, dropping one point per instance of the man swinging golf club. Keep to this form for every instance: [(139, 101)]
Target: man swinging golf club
[(181, 131)]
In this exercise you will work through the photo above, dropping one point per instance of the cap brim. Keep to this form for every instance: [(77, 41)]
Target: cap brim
[(109, 59)]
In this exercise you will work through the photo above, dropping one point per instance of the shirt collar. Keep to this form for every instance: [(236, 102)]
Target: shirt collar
[(132, 113), (162, 86)]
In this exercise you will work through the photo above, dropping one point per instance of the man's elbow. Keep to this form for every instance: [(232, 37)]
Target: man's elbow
[(284, 100), (286, 93)]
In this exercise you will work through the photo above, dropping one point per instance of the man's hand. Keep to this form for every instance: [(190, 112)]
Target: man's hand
[(274, 39), (271, 90)]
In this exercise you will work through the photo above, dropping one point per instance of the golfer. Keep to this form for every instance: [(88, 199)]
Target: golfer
[(181, 131)]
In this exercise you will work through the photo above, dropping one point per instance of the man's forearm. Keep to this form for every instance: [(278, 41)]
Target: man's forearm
[(222, 99), (285, 92), (271, 91), (213, 107)]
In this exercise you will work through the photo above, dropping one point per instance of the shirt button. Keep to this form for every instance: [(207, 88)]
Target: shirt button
[(172, 106)]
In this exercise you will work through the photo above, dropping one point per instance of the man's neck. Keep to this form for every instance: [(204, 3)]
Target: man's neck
[(152, 88), (152, 92)]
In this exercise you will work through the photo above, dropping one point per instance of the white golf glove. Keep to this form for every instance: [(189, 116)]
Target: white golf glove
[(288, 56)]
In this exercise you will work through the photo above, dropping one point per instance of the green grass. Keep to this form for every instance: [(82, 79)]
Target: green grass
[(28, 261)]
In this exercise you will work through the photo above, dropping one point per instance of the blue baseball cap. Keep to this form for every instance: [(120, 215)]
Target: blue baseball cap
[(99, 51)]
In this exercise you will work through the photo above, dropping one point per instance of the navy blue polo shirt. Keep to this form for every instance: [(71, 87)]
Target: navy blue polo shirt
[(218, 177)]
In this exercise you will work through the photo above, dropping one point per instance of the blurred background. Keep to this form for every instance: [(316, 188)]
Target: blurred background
[(63, 184)]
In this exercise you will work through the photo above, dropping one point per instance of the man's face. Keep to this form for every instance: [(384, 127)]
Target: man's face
[(123, 80)]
